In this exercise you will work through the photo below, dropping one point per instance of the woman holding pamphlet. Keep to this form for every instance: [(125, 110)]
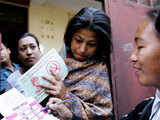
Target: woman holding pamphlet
[(86, 91), (28, 53)]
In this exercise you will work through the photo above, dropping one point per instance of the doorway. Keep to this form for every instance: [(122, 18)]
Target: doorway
[(13, 23)]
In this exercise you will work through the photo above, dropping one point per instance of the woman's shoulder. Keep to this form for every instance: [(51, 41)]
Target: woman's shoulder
[(142, 110), (16, 74)]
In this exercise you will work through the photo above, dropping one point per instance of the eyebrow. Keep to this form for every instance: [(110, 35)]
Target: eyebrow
[(28, 44), (79, 36), (93, 40), (137, 39)]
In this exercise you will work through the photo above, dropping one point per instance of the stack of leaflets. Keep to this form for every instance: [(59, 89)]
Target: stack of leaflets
[(15, 106)]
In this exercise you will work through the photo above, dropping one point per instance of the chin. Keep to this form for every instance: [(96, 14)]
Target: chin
[(29, 65), (145, 83), (79, 59)]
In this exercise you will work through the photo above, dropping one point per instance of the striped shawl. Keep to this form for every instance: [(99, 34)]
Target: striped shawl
[(89, 90)]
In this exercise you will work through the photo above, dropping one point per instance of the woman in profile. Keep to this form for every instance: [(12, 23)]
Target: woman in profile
[(88, 47), (146, 61)]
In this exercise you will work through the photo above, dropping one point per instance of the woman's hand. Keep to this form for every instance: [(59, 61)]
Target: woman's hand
[(59, 110), (57, 88)]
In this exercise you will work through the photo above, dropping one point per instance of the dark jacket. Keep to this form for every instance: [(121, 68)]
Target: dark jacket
[(141, 112)]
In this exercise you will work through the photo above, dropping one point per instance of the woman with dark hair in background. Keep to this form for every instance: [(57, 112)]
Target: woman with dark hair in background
[(146, 61), (28, 53), (88, 47)]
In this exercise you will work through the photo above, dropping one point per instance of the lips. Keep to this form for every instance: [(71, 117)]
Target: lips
[(30, 59), (137, 70), (81, 57)]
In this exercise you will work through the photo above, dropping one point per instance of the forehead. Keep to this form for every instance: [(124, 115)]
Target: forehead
[(27, 40), (146, 32), (142, 27), (86, 34)]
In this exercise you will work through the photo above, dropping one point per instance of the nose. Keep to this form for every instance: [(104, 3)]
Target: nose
[(133, 57), (83, 48), (29, 51)]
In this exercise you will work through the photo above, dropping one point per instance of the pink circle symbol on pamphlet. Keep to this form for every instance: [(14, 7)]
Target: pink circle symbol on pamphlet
[(53, 66), (34, 81)]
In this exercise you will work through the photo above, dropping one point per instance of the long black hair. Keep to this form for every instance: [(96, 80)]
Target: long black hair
[(97, 21)]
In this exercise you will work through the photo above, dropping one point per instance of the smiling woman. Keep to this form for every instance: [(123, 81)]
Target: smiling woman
[(146, 56), (146, 61)]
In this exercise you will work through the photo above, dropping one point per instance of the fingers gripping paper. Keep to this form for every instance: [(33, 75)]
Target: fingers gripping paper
[(51, 62)]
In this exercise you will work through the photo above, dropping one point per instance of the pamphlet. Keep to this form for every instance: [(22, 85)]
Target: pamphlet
[(15, 106), (50, 62)]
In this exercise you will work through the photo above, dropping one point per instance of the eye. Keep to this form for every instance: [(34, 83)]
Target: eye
[(33, 47), (140, 47), (78, 40), (22, 49), (92, 44)]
